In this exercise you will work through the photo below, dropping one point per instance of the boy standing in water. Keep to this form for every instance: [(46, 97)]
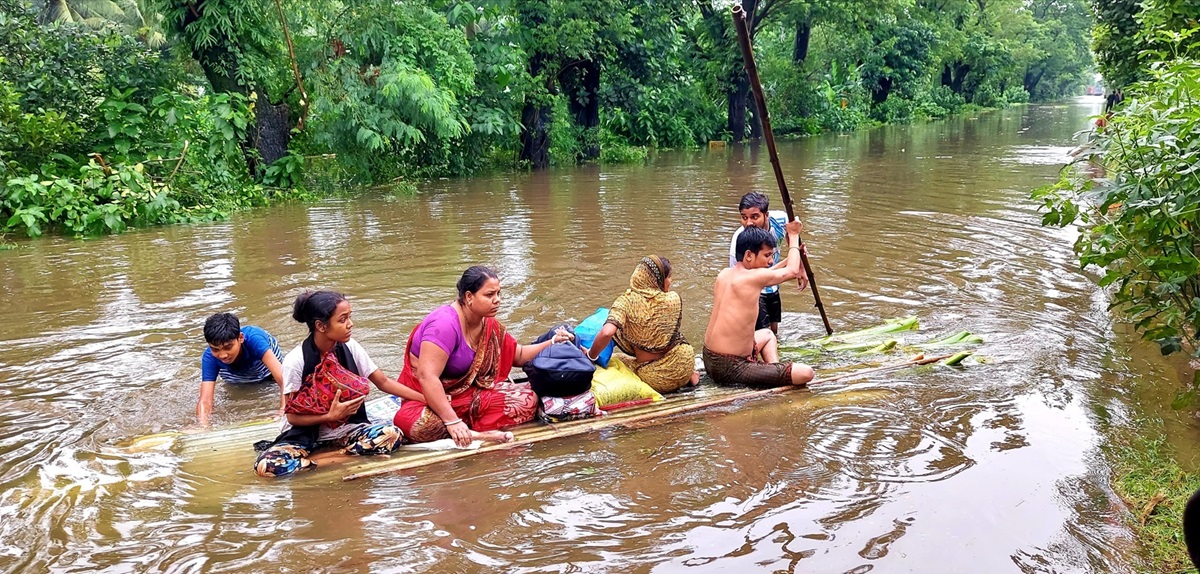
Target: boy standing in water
[(754, 209), (238, 355), (731, 345)]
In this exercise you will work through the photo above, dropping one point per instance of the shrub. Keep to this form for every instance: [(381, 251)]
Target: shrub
[(1016, 95), (615, 149), (989, 97), (894, 110), (1139, 224)]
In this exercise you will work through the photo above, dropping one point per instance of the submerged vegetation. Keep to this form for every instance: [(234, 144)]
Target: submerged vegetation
[(1152, 484), (119, 113)]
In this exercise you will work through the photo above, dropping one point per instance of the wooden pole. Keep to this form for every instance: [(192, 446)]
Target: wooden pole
[(739, 21), (658, 416)]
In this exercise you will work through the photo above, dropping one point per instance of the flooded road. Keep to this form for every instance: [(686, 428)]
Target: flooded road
[(990, 468)]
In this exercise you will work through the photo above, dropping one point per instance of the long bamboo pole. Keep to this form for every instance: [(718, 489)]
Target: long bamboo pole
[(658, 416), (739, 21)]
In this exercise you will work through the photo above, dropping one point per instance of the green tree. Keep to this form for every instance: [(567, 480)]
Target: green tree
[(1131, 34), (239, 46), (1053, 47), (899, 58), (723, 47), (389, 82)]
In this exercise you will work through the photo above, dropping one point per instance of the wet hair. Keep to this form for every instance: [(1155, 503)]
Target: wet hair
[(753, 239), (313, 306), (754, 199), (472, 280), (222, 328), (666, 267)]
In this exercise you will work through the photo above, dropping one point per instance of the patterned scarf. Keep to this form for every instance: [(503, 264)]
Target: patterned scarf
[(646, 316)]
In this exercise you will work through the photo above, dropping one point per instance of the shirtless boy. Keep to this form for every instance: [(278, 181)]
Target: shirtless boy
[(731, 345)]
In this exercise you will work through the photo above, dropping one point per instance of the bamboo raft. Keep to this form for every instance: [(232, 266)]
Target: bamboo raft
[(655, 413), (226, 454)]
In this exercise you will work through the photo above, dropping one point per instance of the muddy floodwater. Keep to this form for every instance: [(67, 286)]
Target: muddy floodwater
[(993, 467)]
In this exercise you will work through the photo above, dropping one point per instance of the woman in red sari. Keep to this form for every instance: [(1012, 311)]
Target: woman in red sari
[(459, 358)]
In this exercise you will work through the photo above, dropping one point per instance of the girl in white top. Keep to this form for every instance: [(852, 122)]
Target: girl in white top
[(345, 424)]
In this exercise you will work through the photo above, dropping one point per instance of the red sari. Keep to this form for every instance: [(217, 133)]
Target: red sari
[(483, 398)]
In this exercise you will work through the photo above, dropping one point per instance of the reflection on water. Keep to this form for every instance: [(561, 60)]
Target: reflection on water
[(990, 468)]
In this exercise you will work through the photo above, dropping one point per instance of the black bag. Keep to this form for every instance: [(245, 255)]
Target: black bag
[(560, 370)]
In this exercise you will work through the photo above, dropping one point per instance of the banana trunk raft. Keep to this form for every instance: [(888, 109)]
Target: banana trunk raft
[(227, 454)]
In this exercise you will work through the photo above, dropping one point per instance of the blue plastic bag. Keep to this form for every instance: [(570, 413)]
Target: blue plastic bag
[(587, 330)]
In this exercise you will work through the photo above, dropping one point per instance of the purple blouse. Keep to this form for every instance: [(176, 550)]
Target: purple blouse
[(442, 328)]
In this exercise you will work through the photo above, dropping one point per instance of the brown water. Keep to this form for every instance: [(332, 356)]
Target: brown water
[(990, 468)]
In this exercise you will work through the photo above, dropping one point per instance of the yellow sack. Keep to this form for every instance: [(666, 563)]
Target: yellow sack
[(617, 384)]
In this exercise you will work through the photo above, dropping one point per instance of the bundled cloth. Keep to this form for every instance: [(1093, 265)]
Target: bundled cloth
[(562, 409), (317, 391)]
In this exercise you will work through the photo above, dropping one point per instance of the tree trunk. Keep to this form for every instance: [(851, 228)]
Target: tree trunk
[(756, 129), (800, 45), (535, 135), (535, 119), (581, 85), (271, 130), (880, 94), (738, 99), (1032, 80), (535, 116), (267, 138), (959, 76)]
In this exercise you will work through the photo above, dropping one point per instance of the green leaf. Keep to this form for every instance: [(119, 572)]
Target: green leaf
[(1184, 399), (1169, 345)]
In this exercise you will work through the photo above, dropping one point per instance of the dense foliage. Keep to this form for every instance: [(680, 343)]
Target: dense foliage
[(1130, 35), (1140, 222), (98, 132), (137, 112)]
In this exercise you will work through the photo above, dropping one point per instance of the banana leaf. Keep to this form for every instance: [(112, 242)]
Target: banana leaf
[(854, 341), (959, 338)]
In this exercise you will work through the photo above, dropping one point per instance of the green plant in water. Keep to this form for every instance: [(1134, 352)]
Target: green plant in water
[(1140, 224), (889, 326), (286, 172)]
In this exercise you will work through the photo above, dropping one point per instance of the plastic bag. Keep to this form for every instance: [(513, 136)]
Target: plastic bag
[(616, 385), (587, 331)]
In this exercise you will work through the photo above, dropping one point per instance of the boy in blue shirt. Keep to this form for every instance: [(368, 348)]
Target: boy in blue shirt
[(755, 210), (238, 355)]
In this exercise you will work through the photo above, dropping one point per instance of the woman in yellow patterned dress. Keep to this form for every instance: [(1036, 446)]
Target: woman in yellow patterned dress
[(644, 321)]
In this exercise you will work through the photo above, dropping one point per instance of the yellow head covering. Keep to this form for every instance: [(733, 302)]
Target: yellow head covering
[(646, 316)]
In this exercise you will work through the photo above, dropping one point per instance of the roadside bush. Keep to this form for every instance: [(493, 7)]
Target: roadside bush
[(566, 138), (615, 149), (97, 134), (989, 97), (894, 110), (1139, 223), (1016, 95), (946, 98), (671, 116)]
